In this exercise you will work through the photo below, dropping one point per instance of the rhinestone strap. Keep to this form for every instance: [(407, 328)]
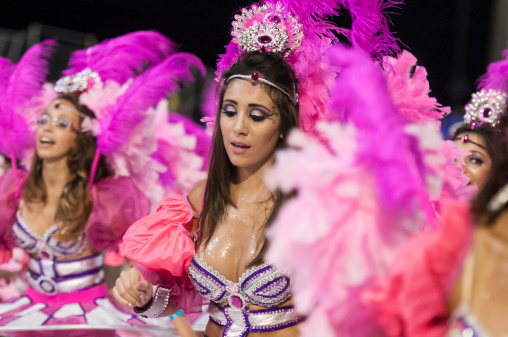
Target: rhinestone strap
[(158, 304)]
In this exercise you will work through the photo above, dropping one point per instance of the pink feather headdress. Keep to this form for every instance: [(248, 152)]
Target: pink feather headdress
[(117, 59), (125, 119), (305, 36), (102, 74), (20, 85), (410, 89)]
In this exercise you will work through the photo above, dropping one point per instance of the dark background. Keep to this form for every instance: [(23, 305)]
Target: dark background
[(451, 38)]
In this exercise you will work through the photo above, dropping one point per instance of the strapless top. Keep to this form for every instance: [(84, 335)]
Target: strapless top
[(46, 246), (263, 285)]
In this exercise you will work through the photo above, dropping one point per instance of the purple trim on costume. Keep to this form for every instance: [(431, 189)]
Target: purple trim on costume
[(202, 289), (279, 326), (272, 284), (245, 319), (21, 242), (73, 276), (255, 274), (264, 311), (69, 277), (249, 328), (259, 286), (207, 273)]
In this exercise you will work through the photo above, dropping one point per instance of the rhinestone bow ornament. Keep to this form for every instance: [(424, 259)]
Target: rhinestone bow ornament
[(267, 28), (486, 106)]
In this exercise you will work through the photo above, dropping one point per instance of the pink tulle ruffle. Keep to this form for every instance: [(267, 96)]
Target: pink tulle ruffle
[(117, 203), (160, 241)]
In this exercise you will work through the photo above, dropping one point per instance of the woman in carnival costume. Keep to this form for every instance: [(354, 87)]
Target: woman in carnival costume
[(459, 268), (476, 135), (92, 175), (211, 243)]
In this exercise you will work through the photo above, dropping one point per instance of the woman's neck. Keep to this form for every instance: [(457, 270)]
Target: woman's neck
[(55, 174), (250, 179)]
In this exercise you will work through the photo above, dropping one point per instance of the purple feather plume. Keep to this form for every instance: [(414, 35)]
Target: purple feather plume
[(361, 89), (145, 92), (497, 75), (20, 90), (370, 30), (26, 80), (123, 57)]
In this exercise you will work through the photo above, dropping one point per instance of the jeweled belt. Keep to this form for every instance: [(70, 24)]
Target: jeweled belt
[(240, 322), (52, 277)]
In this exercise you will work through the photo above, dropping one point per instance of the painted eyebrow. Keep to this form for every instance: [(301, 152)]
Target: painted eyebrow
[(230, 101), (252, 105), (477, 152), (59, 116)]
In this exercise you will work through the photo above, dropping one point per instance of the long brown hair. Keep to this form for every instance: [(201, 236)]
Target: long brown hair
[(75, 204), (497, 148), (221, 172)]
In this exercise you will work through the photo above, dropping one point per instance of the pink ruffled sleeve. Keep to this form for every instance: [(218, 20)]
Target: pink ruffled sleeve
[(117, 203), (163, 249), (160, 240), (8, 206), (412, 301)]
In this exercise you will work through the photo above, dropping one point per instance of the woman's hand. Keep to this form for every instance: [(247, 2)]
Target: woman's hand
[(132, 289)]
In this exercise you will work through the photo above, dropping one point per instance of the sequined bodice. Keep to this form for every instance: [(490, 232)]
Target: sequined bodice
[(46, 246), (263, 285), (51, 276)]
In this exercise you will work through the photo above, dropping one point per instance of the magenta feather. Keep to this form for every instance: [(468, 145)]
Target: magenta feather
[(361, 89), (410, 89), (28, 76), (497, 75), (370, 30), (22, 87), (145, 92), (123, 57)]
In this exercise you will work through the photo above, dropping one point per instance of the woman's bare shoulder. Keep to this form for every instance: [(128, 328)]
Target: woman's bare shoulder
[(195, 196)]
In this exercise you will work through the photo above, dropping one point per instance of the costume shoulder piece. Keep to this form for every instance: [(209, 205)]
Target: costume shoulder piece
[(160, 241)]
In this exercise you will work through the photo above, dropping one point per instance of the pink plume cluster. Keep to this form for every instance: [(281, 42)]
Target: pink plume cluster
[(362, 191), (182, 148), (124, 57), (410, 89), (143, 93), (126, 119), (497, 75)]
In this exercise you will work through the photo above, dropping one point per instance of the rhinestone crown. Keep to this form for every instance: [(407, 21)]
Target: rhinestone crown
[(267, 29), (81, 81), (486, 107)]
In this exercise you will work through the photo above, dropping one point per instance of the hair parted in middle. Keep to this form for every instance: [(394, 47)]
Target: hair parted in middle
[(221, 174)]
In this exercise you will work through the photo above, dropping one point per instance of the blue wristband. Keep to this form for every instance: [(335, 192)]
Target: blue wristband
[(179, 313)]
